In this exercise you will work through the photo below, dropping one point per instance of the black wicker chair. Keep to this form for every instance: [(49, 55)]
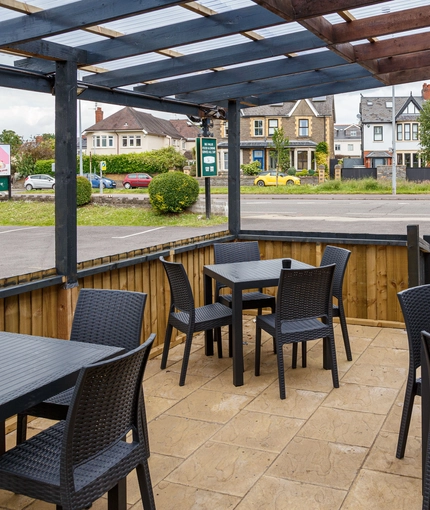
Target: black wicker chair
[(225, 253), (304, 311), (340, 257), (108, 317), (415, 303), (425, 339), (77, 461), (184, 316)]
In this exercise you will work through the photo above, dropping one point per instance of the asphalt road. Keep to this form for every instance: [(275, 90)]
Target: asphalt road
[(29, 249)]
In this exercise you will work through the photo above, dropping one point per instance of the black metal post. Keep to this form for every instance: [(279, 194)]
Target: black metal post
[(205, 133), (65, 171), (413, 244), (233, 168)]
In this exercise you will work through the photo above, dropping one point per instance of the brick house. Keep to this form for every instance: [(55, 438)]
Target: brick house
[(306, 122)]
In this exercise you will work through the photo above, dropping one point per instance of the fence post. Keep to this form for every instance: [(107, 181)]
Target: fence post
[(413, 244)]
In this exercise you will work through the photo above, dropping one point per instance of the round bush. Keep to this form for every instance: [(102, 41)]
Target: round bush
[(173, 192), (83, 191)]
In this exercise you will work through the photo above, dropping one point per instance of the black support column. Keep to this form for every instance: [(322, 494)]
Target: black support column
[(233, 168), (65, 171)]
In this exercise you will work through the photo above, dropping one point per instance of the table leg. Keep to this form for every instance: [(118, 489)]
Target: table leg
[(237, 328), (209, 337), (425, 394)]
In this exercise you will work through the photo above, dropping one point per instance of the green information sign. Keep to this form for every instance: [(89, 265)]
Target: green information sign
[(4, 183), (207, 157)]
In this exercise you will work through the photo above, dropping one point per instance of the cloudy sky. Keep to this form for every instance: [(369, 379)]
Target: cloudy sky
[(30, 113)]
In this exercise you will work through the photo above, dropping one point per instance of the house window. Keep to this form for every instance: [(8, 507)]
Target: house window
[(408, 159), (138, 141), (414, 131), (415, 160), (350, 146), (258, 128), (337, 146), (124, 141), (400, 158), (131, 141), (225, 129), (407, 131), (303, 127), (411, 108), (378, 134), (273, 125), (399, 132), (353, 133), (225, 160), (96, 141)]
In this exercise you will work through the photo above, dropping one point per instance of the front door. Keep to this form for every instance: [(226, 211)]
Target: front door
[(258, 156)]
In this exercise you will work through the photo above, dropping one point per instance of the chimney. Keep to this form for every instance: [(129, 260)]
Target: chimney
[(39, 139), (426, 92), (99, 114)]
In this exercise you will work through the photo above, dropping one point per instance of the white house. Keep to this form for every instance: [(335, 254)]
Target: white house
[(347, 141), (377, 125)]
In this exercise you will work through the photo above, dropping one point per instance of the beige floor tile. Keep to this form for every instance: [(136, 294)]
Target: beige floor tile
[(382, 491), (298, 404), (382, 456), (179, 437), (165, 384), (259, 430), (340, 426), (385, 356), (208, 405), (171, 496), (376, 375), (319, 462), (313, 378), (390, 337), (223, 468), (358, 344), (355, 397), (278, 494), (13, 501), (204, 366), (161, 465), (157, 405), (392, 422), (363, 331)]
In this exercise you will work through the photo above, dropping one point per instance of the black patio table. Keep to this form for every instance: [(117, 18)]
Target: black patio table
[(34, 368), (239, 276)]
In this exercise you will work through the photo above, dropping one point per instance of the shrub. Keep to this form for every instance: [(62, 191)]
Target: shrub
[(253, 168), (302, 173), (311, 171), (291, 171), (83, 191), (172, 192)]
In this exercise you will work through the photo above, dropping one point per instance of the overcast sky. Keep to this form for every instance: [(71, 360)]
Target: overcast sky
[(31, 113)]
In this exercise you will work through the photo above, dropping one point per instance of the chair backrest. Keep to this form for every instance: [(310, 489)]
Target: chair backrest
[(225, 253), (109, 317), (415, 303), (305, 293), (180, 288), (340, 257), (104, 408)]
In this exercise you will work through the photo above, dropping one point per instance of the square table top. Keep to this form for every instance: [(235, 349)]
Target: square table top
[(34, 368)]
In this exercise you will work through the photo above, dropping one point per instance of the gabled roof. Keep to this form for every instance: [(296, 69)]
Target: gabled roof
[(186, 128), (321, 107), (375, 109), (129, 119)]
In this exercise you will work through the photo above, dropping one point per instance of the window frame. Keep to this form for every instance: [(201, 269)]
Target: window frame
[(378, 131), (258, 125), (271, 129), (306, 127)]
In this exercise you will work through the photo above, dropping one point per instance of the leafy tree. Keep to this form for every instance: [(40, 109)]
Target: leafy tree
[(281, 142), (424, 120), (9, 137), (321, 154), (40, 147)]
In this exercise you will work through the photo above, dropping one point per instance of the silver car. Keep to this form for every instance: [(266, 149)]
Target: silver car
[(39, 181)]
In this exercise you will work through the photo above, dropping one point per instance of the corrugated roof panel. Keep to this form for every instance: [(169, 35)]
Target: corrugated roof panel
[(386, 7), (225, 5), (285, 28), (222, 42)]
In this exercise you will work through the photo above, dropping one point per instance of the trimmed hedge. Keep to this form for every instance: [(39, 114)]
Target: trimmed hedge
[(83, 191), (173, 192)]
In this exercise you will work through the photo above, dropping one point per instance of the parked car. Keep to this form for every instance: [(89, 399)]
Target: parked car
[(269, 179), (95, 181), (136, 181), (39, 181)]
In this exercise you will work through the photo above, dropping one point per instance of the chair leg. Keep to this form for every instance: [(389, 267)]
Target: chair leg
[(21, 428), (218, 340), (411, 391), (304, 355), (426, 481), (145, 486), (117, 496), (166, 347), (257, 350), (334, 372), (294, 356), (281, 375), (230, 341), (187, 351), (345, 332)]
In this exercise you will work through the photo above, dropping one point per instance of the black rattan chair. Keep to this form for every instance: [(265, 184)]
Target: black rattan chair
[(340, 257), (415, 303), (425, 339), (108, 317), (184, 316), (225, 253), (77, 461), (304, 311)]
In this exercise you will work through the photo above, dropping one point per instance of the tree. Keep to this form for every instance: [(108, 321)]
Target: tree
[(9, 137), (321, 154), (281, 142), (424, 120), (40, 147)]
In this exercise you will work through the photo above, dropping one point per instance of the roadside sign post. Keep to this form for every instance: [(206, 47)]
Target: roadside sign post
[(207, 162), (102, 169)]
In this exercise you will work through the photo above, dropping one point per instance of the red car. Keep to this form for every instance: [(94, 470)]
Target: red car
[(136, 181)]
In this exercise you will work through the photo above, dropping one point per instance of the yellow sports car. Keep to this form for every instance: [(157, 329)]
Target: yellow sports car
[(269, 179)]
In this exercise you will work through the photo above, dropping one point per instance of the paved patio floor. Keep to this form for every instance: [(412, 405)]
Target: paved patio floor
[(215, 446)]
